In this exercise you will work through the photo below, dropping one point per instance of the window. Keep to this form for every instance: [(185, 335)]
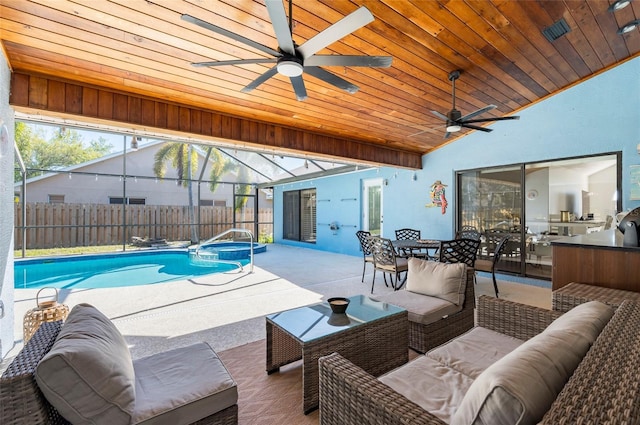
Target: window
[(206, 202), (117, 200), (56, 199), (299, 215), (219, 203)]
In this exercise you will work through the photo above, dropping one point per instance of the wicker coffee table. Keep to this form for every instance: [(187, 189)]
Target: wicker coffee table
[(372, 335)]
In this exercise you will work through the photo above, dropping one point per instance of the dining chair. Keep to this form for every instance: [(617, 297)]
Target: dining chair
[(407, 234), (459, 251), (468, 232), (365, 246), (386, 260), (489, 266)]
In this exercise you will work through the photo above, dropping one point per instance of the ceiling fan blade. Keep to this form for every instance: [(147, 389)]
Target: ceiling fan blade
[(439, 115), (331, 79), (233, 62), (335, 32), (261, 79), (349, 60), (428, 130), (514, 117), (475, 127), (280, 25), (478, 112), (446, 135), (298, 87), (231, 35)]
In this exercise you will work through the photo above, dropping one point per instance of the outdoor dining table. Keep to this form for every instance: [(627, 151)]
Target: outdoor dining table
[(417, 247)]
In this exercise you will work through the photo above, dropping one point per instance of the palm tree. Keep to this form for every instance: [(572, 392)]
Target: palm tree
[(183, 157)]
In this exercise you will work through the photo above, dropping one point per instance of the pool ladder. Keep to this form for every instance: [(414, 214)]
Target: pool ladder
[(226, 232)]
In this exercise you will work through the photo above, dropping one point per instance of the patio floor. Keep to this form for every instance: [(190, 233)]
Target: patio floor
[(227, 310)]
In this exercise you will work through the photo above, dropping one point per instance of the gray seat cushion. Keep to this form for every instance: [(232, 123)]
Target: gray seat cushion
[(182, 386), (422, 309), (433, 386), (474, 351)]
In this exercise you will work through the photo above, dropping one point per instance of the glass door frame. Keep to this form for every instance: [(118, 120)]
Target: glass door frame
[(366, 207), (523, 188)]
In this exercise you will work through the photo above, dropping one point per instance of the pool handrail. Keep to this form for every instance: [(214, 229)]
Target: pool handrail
[(226, 232)]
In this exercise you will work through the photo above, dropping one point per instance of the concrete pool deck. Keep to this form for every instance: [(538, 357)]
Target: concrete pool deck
[(228, 309)]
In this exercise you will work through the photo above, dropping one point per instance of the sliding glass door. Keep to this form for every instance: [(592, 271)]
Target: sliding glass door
[(535, 203), (490, 200)]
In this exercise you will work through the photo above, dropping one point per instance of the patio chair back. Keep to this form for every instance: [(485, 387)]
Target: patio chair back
[(386, 260), (404, 234), (468, 232), (459, 251), (489, 266), (364, 238)]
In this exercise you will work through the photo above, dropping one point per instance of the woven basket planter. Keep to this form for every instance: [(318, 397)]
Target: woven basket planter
[(46, 311)]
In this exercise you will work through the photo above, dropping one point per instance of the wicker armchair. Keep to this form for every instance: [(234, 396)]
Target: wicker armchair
[(602, 390), (424, 337), (23, 403)]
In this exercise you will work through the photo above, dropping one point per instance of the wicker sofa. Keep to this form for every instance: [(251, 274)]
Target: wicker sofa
[(84, 368), (603, 389)]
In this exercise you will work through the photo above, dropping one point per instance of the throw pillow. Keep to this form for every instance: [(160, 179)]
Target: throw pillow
[(442, 280), (88, 373), (520, 388)]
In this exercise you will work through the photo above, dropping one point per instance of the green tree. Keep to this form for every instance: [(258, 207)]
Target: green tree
[(183, 158), (242, 189), (63, 149)]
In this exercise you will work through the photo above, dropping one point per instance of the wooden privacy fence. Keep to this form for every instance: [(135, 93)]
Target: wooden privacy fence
[(69, 225)]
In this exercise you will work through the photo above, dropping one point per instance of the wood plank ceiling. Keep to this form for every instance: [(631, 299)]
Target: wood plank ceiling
[(144, 48)]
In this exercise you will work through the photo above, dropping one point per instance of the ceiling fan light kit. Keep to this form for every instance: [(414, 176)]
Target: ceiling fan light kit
[(452, 128), (290, 67), (292, 60), (454, 119)]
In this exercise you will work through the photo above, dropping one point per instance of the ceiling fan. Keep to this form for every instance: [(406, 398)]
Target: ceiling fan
[(292, 60), (454, 119)]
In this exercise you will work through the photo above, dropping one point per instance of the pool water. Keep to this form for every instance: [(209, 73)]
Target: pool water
[(114, 270)]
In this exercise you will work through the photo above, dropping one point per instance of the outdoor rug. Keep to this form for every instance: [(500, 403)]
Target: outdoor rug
[(266, 399)]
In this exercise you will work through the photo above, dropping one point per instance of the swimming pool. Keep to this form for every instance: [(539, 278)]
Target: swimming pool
[(114, 270)]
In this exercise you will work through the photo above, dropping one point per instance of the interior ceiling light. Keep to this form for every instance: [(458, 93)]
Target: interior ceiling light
[(618, 4), (629, 27)]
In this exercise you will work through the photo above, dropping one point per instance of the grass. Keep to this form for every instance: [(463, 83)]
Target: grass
[(77, 250)]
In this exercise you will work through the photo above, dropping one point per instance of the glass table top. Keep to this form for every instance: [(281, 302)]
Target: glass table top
[(318, 321)]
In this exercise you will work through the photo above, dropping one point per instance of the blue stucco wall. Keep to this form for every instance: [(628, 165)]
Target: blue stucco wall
[(600, 115)]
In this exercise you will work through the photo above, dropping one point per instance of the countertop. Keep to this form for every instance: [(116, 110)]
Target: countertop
[(611, 239)]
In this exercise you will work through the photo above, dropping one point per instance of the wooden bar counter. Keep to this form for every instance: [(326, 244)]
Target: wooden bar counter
[(596, 259)]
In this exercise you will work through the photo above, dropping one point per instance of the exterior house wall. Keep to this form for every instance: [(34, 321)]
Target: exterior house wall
[(6, 212), (600, 115), (92, 188)]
